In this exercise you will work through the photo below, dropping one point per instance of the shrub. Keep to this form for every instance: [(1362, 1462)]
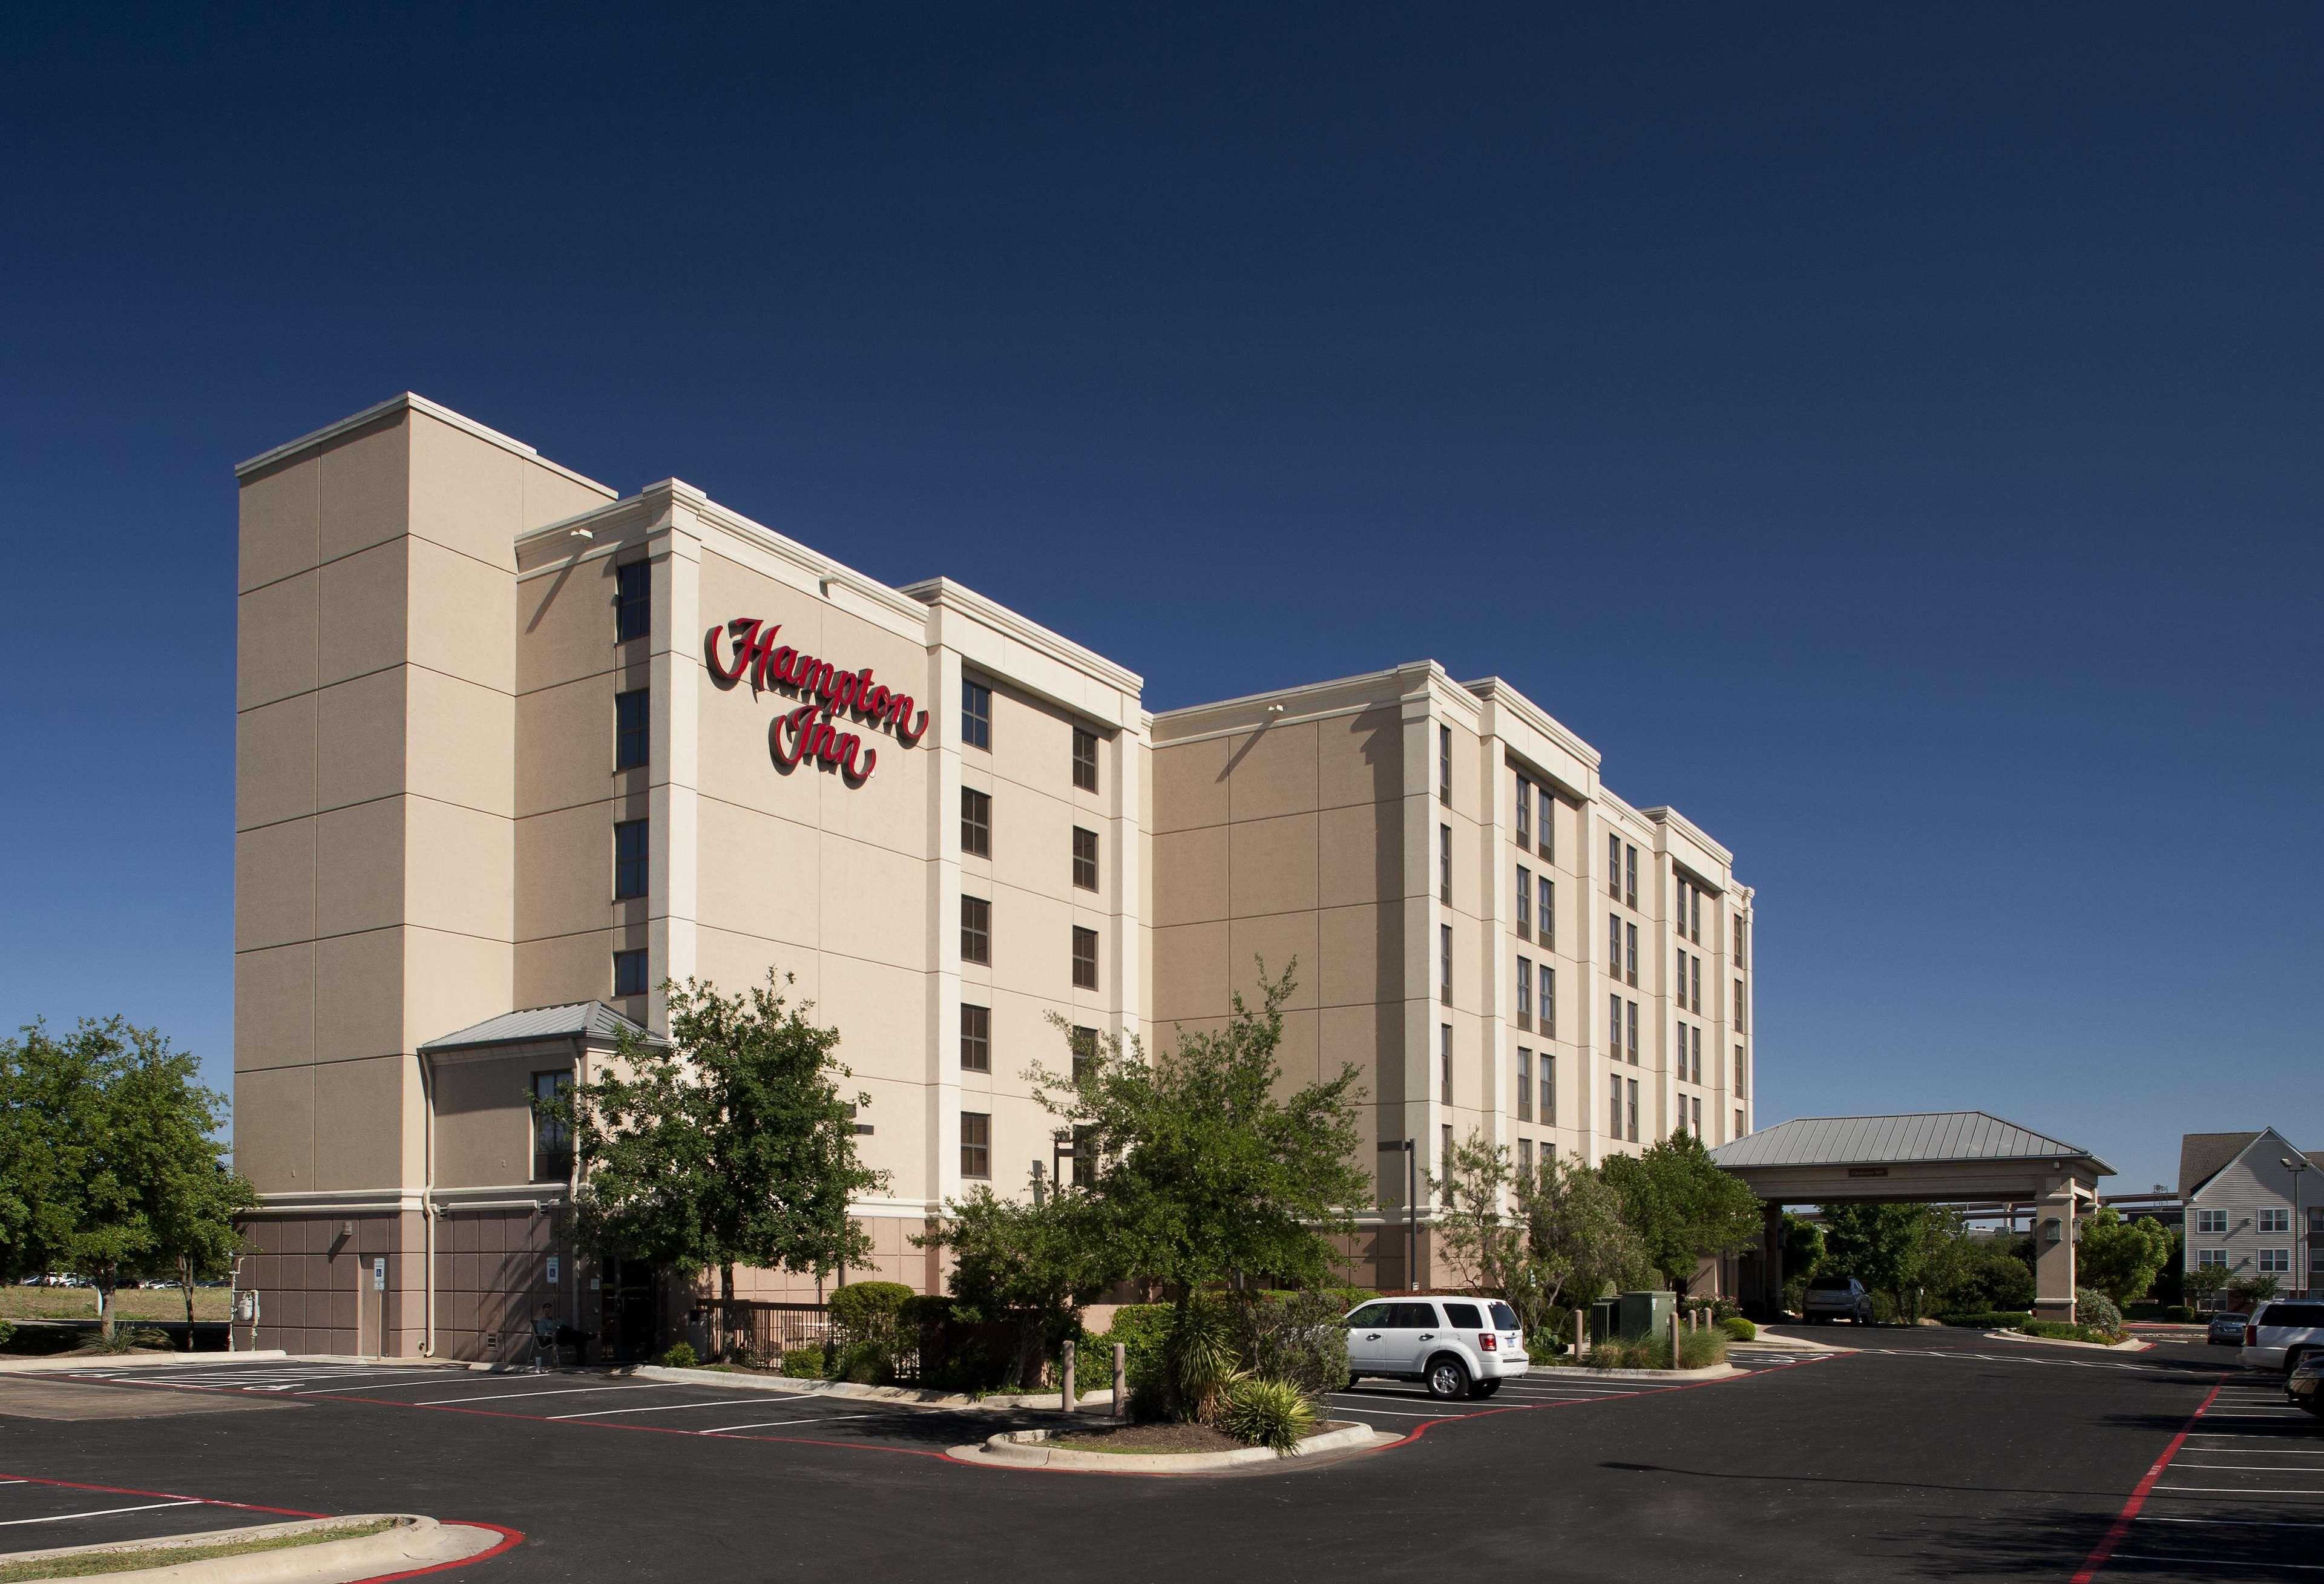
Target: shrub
[(1885, 1311), (804, 1362), (2095, 1310), (1261, 1412), (1991, 1318), (869, 1311), (1614, 1353), (1295, 1338), (2178, 1315), (1199, 1352), (8, 1333), (865, 1363), (1739, 1329), (681, 1356), (1702, 1350), (2058, 1330), (1141, 1329)]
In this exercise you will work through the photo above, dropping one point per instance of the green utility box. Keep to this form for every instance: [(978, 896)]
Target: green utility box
[(1632, 1316)]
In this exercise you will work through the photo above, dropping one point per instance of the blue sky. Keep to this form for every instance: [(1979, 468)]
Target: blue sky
[(1892, 440)]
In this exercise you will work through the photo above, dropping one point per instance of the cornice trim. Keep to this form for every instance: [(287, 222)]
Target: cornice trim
[(411, 401), (943, 594)]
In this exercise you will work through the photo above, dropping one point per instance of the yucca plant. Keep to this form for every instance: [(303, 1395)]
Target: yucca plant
[(1261, 1412), (1199, 1351)]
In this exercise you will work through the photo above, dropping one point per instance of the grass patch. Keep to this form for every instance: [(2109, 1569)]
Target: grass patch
[(2058, 1331), (17, 1302), (152, 1556)]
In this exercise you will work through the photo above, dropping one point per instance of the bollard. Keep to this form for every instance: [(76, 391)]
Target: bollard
[(1674, 1355), (1067, 1396), (1120, 1381)]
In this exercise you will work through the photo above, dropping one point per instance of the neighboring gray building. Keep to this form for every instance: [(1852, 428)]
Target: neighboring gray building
[(2254, 1207)]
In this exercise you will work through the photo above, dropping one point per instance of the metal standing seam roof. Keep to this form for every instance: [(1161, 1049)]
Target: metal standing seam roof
[(1926, 1136), (575, 1019)]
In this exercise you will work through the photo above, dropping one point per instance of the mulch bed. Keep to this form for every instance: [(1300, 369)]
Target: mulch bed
[(1149, 1438)]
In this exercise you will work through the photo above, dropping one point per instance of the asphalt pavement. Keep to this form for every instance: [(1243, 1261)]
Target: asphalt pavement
[(1928, 1454)]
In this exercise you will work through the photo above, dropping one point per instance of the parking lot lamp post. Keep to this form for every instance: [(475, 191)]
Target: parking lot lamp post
[(2295, 1165)]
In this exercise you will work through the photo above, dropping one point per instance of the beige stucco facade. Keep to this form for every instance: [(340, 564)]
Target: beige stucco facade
[(439, 823)]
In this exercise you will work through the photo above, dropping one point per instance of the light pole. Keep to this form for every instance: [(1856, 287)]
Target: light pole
[(2295, 1165), (1411, 1208)]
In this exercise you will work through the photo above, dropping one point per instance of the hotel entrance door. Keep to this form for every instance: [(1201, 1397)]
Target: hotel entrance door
[(628, 1320)]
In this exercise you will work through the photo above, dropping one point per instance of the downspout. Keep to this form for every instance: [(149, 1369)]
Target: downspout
[(427, 1203)]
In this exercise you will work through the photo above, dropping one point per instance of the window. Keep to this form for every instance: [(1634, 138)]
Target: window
[(1444, 1063), (1084, 760), (975, 823), (1741, 1088), (1630, 884), (975, 715), (1549, 1089), (1445, 1159), (630, 859), (1084, 1157), (1613, 1107), (975, 1038), (1524, 1084), (1444, 765), (2275, 1262), (1444, 864), (1678, 963), (1525, 1157), (1738, 1127), (1085, 958), (2277, 1219), (1444, 963), (1698, 1055), (1086, 859), (553, 1137), (1630, 934), (1524, 903), (1698, 986), (1525, 812), (632, 740), (2212, 1221), (1548, 847), (633, 601), (630, 972), (1614, 866), (976, 930), (1546, 912), (975, 1144), (1694, 905), (1614, 945), (1548, 1001), (1524, 994), (1742, 1010), (2211, 1258), (1742, 942), (1614, 1027), (1698, 1116), (1634, 1033), (1634, 1111), (1083, 1044)]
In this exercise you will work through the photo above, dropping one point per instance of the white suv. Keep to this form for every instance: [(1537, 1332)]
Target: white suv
[(1457, 1347), (2280, 1334)]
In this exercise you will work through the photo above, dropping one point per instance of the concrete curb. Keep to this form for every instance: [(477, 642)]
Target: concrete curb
[(1024, 1450), (1791, 1342), (1587, 1372), (2132, 1346), (907, 1396), (60, 1363), (414, 1542)]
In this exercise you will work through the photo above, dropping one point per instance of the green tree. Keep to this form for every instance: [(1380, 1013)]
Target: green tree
[(731, 1145), (1904, 1250), (1803, 1249), (1032, 1266), (1546, 1240), (1683, 1209), (2120, 1257), (2204, 1283), (111, 1161)]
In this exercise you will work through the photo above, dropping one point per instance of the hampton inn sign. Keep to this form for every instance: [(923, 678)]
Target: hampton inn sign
[(807, 732)]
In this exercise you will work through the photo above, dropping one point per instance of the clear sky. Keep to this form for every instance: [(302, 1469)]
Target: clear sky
[(1893, 440)]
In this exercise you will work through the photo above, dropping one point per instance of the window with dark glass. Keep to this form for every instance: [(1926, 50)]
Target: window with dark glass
[(1524, 1084), (976, 930), (1524, 903), (975, 823), (1614, 866), (1525, 812), (1083, 1044), (1085, 958), (1548, 847), (630, 972), (1444, 864), (1545, 911), (1634, 1111), (975, 1144), (1548, 1001), (1549, 1089), (1630, 934), (1444, 964), (1632, 1020), (1444, 1062), (1084, 760), (1086, 859), (975, 714), (1698, 986), (1525, 1157), (632, 735), (553, 1137), (1613, 1107), (1525, 993), (630, 859), (1630, 866), (1444, 764), (1614, 945), (975, 1038), (633, 601)]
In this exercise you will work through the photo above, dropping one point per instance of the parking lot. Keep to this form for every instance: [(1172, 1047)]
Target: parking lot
[(1924, 1455)]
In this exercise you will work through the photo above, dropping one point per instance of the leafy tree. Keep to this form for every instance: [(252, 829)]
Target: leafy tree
[(2253, 1288), (1991, 1277), (2120, 1257), (1548, 1240), (1899, 1249), (1199, 1171), (1031, 1264), (110, 1158), (2204, 1283), (2170, 1281), (732, 1145), (1803, 1249), (1683, 1209)]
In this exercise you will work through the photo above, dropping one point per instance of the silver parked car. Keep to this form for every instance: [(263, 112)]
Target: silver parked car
[(2227, 1330), (1831, 1298)]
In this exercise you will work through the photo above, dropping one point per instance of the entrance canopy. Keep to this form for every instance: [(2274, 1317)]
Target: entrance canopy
[(1928, 1157)]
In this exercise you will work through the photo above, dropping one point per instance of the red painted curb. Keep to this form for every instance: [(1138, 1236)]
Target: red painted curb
[(2123, 1520)]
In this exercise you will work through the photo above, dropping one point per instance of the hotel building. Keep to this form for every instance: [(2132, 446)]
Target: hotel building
[(513, 751)]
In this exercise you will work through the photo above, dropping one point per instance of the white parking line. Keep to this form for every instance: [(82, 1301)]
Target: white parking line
[(2245, 1468), (433, 1378), (771, 1423), (2127, 1556), (553, 1392), (1398, 1414), (2231, 1523), (102, 1512), (2240, 1490), (659, 1407)]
